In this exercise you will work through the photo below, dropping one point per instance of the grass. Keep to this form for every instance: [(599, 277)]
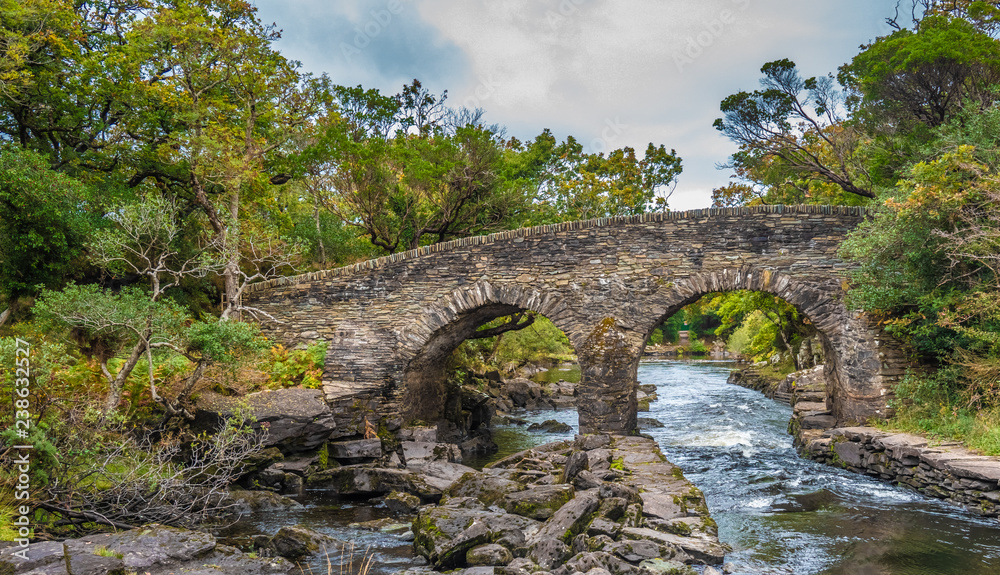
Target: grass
[(8, 532), (977, 430), (105, 552), (345, 565)]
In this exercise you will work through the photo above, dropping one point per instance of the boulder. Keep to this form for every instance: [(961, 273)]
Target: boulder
[(371, 481), (445, 534), (819, 421), (296, 419), (649, 423), (153, 549), (661, 567), (548, 552), (356, 451), (402, 503), (578, 461), (661, 506), (489, 489), (704, 549), (297, 541), (442, 474), (571, 519), (419, 453), (240, 502), (538, 502), (550, 426), (491, 554), (419, 434)]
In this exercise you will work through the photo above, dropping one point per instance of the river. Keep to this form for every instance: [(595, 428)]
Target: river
[(780, 513)]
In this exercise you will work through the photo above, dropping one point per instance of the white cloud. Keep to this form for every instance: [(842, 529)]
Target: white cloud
[(659, 67)]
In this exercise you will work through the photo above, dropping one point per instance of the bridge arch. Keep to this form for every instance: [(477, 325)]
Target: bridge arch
[(855, 390), (445, 324), (385, 320)]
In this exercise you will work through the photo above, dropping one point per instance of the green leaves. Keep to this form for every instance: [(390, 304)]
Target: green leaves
[(44, 223), (924, 76), (224, 341), (108, 322)]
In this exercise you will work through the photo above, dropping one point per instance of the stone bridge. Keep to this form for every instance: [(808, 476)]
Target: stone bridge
[(391, 323)]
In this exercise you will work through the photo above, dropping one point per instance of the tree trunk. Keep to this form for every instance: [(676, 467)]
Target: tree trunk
[(319, 233), (230, 305), (118, 383), (4, 315)]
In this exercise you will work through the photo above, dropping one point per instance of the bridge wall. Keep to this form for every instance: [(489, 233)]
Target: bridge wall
[(606, 283)]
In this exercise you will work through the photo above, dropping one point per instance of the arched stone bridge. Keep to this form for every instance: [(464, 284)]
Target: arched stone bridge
[(392, 322)]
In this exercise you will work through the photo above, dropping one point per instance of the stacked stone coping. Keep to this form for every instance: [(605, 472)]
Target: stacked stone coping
[(945, 471), (654, 217)]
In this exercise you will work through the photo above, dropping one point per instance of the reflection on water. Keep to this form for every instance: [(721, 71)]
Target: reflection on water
[(333, 516), (566, 372)]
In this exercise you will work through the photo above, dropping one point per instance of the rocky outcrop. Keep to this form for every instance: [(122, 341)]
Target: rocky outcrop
[(427, 482), (151, 550), (597, 502), (296, 542), (946, 471), (296, 419)]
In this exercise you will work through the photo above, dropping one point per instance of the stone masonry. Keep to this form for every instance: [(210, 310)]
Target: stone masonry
[(607, 283)]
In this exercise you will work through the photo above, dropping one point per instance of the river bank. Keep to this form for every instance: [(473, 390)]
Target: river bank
[(941, 469)]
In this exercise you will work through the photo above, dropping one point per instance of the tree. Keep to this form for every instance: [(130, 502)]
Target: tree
[(582, 186), (925, 76), (44, 224), (795, 121), (404, 189), (235, 104), (781, 318), (140, 319)]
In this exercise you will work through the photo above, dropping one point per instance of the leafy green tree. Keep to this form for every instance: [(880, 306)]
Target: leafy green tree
[(402, 189), (43, 228), (794, 125), (221, 108), (924, 76)]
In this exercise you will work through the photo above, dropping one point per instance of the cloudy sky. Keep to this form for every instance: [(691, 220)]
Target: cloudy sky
[(612, 73)]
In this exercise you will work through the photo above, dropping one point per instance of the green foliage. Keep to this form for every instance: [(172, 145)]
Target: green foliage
[(924, 76), (224, 341), (539, 343), (935, 404), (793, 142), (754, 338), (103, 551), (297, 367), (45, 222), (109, 322), (656, 338), (672, 327), (697, 347)]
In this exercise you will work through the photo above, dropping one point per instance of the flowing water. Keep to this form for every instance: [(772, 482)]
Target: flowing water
[(780, 513)]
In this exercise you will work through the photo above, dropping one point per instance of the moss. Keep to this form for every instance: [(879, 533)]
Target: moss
[(324, 456), (680, 528), (618, 464), (677, 472)]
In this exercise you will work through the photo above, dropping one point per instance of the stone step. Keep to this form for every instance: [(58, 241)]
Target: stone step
[(782, 397)]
